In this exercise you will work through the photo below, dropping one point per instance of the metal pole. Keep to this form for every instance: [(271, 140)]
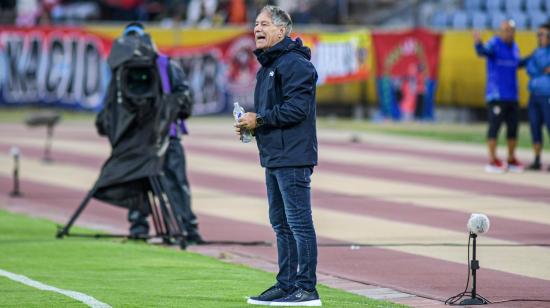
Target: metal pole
[(48, 147), (475, 266), (15, 153)]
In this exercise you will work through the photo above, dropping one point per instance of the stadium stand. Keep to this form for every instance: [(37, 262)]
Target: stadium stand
[(493, 5), (480, 20), (497, 18), (513, 6), (478, 14), (460, 20), (533, 6)]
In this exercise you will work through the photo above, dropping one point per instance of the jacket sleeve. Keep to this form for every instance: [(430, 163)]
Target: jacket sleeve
[(486, 50), (533, 67), (180, 90), (524, 61), (298, 80)]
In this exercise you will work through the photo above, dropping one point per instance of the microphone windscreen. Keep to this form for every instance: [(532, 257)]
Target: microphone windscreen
[(478, 223)]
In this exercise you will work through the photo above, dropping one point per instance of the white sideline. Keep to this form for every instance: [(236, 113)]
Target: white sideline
[(81, 297)]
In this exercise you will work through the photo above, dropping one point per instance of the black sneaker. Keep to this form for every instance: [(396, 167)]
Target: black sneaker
[(299, 298), (534, 166), (195, 239), (267, 297), (139, 232)]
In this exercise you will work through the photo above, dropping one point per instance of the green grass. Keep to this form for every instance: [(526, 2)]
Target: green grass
[(127, 274), (450, 132), (18, 115)]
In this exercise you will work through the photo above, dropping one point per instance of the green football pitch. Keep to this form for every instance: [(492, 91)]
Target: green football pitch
[(126, 274)]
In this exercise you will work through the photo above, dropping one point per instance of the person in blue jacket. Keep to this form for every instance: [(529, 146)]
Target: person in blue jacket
[(284, 124), (503, 58), (538, 68)]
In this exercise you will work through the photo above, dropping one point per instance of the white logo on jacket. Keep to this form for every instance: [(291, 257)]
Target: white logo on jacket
[(271, 74)]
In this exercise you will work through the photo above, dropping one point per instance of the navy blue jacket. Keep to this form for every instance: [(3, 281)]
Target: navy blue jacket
[(285, 98), (539, 84), (502, 64)]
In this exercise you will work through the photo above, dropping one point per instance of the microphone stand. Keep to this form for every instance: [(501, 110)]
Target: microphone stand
[(474, 265)]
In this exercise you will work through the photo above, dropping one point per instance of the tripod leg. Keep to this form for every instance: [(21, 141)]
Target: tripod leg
[(172, 227), (155, 215), (65, 230), (162, 211), (178, 231)]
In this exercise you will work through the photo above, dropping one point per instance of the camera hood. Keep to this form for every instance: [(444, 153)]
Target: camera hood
[(126, 48)]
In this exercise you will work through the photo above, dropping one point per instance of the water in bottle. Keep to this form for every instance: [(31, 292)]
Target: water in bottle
[(238, 111)]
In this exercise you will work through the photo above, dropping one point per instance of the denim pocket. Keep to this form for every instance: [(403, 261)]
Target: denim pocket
[(303, 177)]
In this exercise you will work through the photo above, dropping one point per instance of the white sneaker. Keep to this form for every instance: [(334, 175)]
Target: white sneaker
[(515, 166), (496, 166)]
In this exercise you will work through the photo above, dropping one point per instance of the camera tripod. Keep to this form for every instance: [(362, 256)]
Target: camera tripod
[(163, 216)]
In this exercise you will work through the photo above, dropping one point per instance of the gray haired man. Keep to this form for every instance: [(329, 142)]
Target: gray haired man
[(285, 130)]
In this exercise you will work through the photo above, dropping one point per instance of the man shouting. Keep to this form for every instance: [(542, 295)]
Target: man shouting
[(284, 126)]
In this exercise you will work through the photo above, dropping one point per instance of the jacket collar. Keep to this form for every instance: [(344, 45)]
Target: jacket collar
[(266, 57)]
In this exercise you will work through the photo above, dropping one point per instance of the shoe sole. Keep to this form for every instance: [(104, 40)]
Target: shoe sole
[(491, 169), (312, 303), (257, 302), (516, 169)]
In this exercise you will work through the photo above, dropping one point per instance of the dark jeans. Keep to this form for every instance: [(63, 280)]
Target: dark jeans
[(288, 191), (539, 115)]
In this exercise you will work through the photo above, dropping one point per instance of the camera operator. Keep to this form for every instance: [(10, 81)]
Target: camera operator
[(143, 124)]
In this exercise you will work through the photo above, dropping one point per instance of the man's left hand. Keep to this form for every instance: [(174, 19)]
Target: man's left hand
[(248, 121), (547, 70)]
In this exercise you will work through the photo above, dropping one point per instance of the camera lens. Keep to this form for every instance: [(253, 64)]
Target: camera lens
[(139, 81)]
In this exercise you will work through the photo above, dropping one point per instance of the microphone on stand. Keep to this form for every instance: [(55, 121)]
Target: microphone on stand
[(477, 224)]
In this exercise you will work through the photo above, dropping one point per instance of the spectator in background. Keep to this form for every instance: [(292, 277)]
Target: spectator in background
[(325, 12), (201, 12), (301, 14), (420, 92), (412, 90), (69, 11), (173, 14), (124, 10), (27, 13), (254, 5), (538, 68), (503, 58), (7, 12), (237, 12)]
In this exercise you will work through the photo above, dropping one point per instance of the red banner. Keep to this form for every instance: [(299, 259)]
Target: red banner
[(397, 51), (406, 66), (66, 66)]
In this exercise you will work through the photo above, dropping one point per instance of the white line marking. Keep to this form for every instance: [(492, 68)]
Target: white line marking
[(81, 297)]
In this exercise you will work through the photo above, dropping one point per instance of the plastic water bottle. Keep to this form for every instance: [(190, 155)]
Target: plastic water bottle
[(238, 112)]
